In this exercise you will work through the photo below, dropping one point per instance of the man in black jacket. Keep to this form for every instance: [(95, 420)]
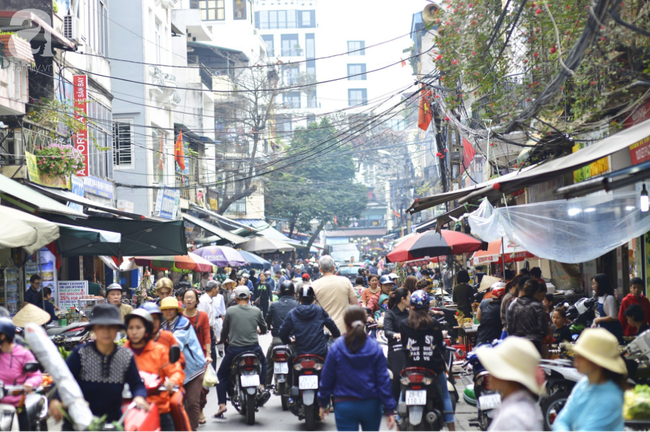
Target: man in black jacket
[(306, 323), (274, 319)]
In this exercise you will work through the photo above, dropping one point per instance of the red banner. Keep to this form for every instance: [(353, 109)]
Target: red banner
[(640, 151), (81, 137)]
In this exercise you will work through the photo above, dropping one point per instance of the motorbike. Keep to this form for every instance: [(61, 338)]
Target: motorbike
[(69, 336), (582, 314), (479, 393), (421, 406), (303, 401), (561, 377), (281, 354), (244, 382), (450, 354), (34, 404)]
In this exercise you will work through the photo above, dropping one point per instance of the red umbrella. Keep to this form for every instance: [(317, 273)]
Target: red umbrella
[(495, 253), (434, 244)]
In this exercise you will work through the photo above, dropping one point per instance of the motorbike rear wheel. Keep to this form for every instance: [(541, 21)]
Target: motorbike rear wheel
[(251, 405), (311, 413), (282, 390), (556, 401)]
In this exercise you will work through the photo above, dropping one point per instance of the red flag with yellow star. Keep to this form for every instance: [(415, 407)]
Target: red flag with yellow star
[(179, 151)]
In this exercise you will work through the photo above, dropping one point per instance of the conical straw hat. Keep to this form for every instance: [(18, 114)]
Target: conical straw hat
[(31, 314)]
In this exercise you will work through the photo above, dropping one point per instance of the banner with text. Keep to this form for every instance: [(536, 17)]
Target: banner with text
[(81, 137), (70, 292)]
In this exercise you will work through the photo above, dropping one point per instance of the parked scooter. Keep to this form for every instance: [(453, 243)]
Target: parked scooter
[(485, 399), (303, 402), (561, 377), (421, 406), (69, 336), (244, 383), (34, 404), (281, 354), (582, 314)]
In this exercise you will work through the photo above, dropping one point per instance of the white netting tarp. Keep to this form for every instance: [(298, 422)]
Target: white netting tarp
[(567, 231)]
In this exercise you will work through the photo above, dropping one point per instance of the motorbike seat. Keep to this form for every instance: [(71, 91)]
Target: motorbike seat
[(302, 357), (418, 370), (239, 357), (53, 331)]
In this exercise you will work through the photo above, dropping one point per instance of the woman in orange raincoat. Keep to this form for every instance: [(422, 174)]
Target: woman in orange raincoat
[(153, 358)]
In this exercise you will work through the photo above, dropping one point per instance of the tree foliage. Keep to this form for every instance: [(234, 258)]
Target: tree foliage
[(499, 57), (321, 189)]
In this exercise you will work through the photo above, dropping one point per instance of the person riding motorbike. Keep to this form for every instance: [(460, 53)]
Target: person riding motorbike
[(101, 369), (386, 288), (195, 361), (305, 323), (240, 330), (12, 359), (153, 358), (114, 297), (277, 313), (398, 312), (424, 347)]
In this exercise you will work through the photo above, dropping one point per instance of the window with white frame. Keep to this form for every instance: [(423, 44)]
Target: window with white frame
[(158, 159), (357, 72), (158, 41), (212, 10), (97, 26), (123, 143), (356, 48), (239, 9), (357, 97)]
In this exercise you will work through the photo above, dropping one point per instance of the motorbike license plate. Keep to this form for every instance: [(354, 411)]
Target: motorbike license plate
[(308, 382), (416, 397), (281, 368), (488, 402), (250, 380)]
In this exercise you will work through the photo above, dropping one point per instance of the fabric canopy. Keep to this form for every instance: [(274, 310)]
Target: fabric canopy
[(222, 256), (143, 237), (255, 261), (223, 236), (20, 229), (267, 245), (83, 201), (80, 241), (38, 201), (433, 244), (181, 262), (511, 252), (567, 231)]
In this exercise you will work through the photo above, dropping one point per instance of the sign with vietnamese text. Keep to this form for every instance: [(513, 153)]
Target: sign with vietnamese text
[(99, 187), (70, 292), (640, 151), (167, 203), (601, 166), (36, 176), (77, 189), (81, 137)]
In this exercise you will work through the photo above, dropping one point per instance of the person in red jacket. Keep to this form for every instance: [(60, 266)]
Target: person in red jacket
[(634, 297)]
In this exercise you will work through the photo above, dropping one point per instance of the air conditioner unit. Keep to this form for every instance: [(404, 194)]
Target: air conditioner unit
[(72, 29)]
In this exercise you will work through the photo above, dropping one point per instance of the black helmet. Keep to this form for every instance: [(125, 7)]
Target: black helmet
[(143, 314), (7, 328), (287, 288), (307, 292)]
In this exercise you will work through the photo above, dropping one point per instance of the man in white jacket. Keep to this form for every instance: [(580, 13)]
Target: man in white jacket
[(209, 303)]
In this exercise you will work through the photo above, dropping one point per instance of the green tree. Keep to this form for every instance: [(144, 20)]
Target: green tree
[(321, 189)]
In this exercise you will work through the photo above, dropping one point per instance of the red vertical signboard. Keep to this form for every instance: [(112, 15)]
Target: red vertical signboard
[(81, 137)]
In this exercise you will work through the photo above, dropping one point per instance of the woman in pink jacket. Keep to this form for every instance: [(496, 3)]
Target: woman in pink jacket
[(13, 358)]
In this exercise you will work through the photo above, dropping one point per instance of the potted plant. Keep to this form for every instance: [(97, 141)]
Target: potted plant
[(16, 47), (57, 161)]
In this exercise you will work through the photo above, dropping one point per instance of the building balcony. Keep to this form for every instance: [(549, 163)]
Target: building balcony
[(164, 83), (169, 4)]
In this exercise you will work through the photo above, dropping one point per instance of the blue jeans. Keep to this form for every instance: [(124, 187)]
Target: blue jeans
[(350, 414), (224, 370)]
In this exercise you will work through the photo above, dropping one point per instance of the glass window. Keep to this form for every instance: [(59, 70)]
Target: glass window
[(311, 118), (290, 45), (312, 100), (157, 41), (357, 97), (291, 19), (123, 142), (291, 100), (282, 19), (290, 75), (307, 18), (212, 10), (356, 48), (158, 141), (311, 68), (283, 126), (310, 46), (239, 9), (357, 69), (273, 19), (268, 39)]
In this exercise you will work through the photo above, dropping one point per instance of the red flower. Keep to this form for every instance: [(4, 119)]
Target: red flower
[(528, 100), (438, 154), (439, 57), (538, 11), (454, 62), (437, 96), (447, 118), (473, 52), (535, 54), (568, 7), (593, 83), (553, 49)]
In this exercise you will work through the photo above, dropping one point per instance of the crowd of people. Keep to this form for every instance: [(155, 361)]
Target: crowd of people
[(226, 312)]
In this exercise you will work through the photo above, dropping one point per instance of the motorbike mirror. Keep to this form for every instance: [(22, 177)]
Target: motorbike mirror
[(174, 354), (31, 367), (460, 353)]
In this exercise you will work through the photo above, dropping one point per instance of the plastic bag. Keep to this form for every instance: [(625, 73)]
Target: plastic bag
[(210, 377)]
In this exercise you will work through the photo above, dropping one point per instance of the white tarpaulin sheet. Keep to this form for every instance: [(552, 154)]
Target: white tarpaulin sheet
[(567, 231)]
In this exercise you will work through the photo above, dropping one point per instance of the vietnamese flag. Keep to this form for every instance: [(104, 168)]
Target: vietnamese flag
[(179, 151), (468, 154), (425, 114)]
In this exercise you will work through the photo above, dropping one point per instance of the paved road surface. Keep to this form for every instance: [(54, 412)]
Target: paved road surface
[(271, 416)]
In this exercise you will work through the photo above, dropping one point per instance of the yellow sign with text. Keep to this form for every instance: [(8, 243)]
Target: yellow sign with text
[(592, 170), (36, 176)]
